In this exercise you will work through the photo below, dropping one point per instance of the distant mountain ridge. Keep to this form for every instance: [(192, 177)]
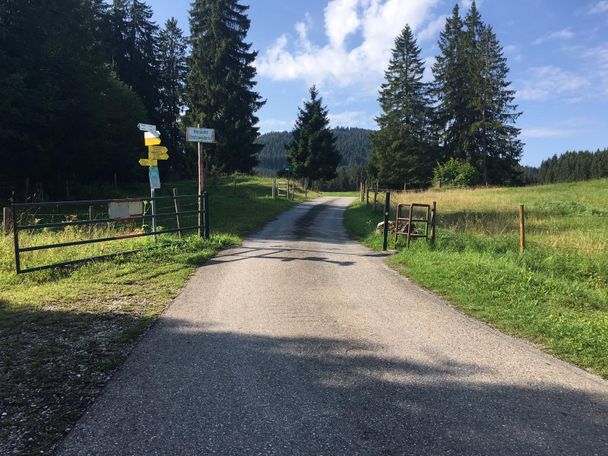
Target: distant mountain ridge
[(353, 143)]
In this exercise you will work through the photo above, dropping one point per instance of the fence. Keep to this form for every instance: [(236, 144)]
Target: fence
[(118, 215)]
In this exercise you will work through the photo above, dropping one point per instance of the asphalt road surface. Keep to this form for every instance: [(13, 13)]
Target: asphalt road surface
[(303, 342)]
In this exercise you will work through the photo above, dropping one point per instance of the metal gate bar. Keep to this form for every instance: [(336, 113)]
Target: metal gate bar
[(201, 226)]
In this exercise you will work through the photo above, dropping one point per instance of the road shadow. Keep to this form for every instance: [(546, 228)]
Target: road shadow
[(215, 392)]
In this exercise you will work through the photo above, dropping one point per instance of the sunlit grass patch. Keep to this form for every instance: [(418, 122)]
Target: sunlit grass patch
[(555, 294)]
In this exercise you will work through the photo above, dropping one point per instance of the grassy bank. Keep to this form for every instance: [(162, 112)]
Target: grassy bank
[(556, 294), (63, 332)]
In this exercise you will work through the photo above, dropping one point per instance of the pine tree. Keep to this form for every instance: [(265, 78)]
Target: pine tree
[(134, 51), (65, 112), (404, 147), (491, 142), (313, 152), (450, 88), (476, 110), (220, 90), (173, 72)]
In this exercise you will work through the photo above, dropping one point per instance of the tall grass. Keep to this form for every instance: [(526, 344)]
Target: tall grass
[(555, 294)]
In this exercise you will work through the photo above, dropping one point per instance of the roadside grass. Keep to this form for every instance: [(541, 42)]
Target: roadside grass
[(64, 331), (556, 294)]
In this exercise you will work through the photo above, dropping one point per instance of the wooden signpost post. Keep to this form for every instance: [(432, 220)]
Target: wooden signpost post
[(201, 136)]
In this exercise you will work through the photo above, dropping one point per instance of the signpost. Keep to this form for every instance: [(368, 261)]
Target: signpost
[(201, 136), (152, 138), (156, 152), (146, 127)]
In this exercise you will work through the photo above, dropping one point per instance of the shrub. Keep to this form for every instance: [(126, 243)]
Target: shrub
[(455, 173)]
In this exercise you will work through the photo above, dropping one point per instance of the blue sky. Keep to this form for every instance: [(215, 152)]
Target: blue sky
[(557, 51)]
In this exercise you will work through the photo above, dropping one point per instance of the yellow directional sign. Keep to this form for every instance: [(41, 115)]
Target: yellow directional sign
[(158, 156), (148, 162), (158, 149), (152, 141)]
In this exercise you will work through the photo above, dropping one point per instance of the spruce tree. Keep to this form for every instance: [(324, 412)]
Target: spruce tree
[(404, 147), (493, 138), (476, 111), (313, 152), (173, 72), (220, 89), (134, 51), (66, 118), (450, 88)]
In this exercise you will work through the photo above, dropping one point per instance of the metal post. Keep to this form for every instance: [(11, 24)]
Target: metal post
[(387, 209), (153, 204), (522, 229), (176, 205), (409, 225), (201, 189), (433, 221), (206, 215), (16, 238)]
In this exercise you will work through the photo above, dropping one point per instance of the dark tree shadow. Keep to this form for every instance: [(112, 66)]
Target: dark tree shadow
[(214, 392)]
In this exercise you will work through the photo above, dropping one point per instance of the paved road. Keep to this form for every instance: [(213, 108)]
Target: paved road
[(303, 342)]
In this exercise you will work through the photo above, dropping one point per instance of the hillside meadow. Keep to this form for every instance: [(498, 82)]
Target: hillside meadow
[(64, 331), (555, 294)]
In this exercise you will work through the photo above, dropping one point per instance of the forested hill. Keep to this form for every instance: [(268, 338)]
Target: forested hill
[(574, 166), (353, 143)]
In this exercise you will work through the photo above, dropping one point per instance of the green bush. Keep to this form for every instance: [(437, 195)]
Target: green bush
[(455, 173)]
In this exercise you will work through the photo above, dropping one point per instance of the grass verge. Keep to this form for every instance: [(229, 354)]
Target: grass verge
[(64, 331), (555, 294)]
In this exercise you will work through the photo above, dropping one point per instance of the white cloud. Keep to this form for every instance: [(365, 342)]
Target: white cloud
[(375, 23), (341, 20), (598, 56), (546, 82), (599, 7), (267, 125), (432, 29), (540, 133), (351, 119), (564, 34)]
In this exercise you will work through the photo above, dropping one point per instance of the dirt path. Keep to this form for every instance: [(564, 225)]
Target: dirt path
[(304, 342)]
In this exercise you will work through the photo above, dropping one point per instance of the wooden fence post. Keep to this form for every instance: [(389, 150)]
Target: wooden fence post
[(376, 194), (176, 204), (522, 229)]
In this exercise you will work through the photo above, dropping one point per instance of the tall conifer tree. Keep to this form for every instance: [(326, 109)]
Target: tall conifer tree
[(404, 147), (492, 139), (450, 88), (173, 70), (134, 36), (476, 111), (313, 152), (220, 90)]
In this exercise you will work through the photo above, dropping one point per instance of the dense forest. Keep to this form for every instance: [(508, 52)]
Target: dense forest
[(353, 144), (77, 76), (574, 166)]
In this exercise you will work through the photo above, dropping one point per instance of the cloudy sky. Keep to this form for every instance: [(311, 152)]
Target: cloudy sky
[(557, 51)]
